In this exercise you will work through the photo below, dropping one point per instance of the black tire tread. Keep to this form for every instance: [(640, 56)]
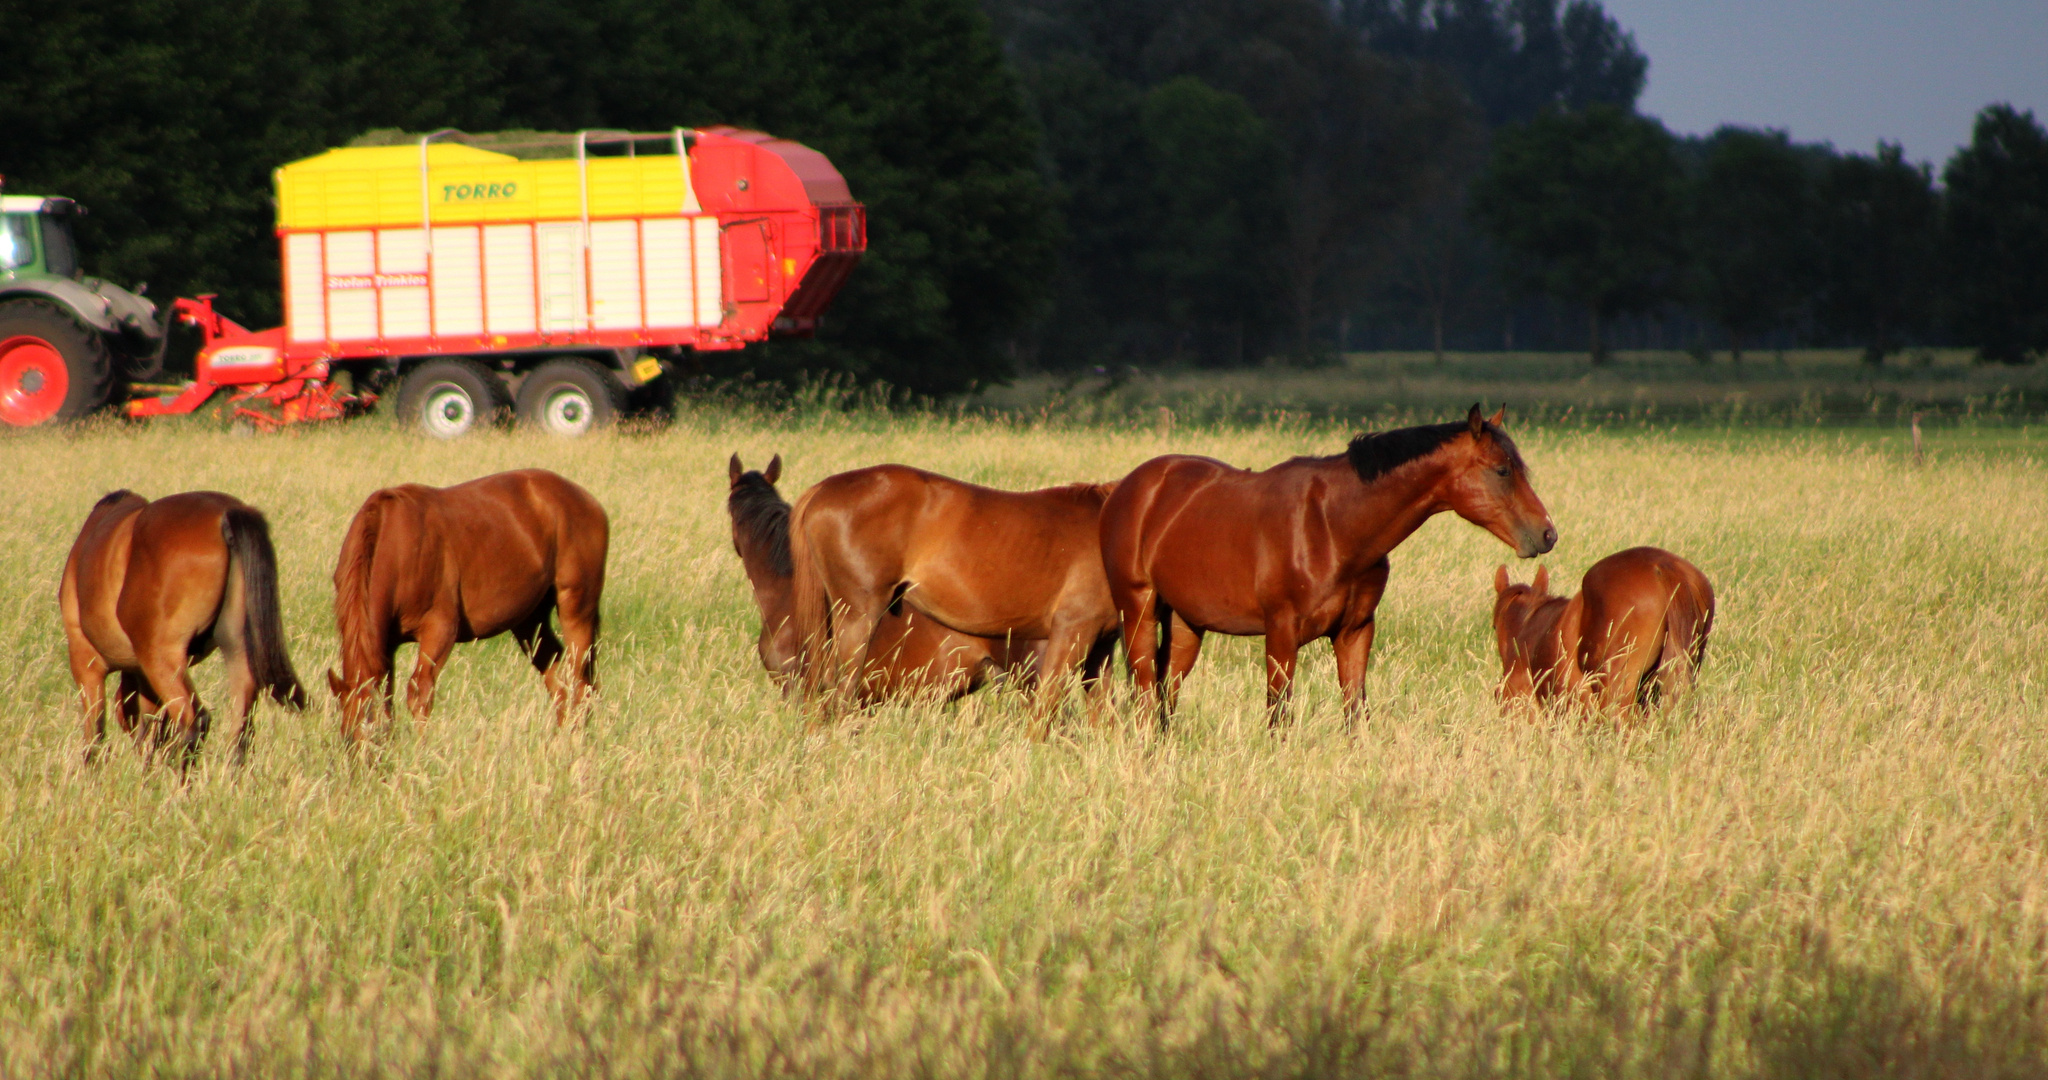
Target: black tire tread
[(84, 350), (491, 412), (611, 394)]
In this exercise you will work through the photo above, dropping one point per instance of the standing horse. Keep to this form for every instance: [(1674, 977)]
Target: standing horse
[(909, 655), (1634, 635), (1298, 551), (1011, 565), (151, 588), (439, 566)]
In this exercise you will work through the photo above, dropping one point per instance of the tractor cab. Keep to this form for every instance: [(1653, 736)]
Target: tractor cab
[(35, 237)]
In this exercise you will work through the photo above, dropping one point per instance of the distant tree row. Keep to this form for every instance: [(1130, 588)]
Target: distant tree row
[(1247, 179), (1606, 211)]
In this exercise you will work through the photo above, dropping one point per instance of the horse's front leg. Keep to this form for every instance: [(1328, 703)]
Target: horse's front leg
[(436, 641), (1064, 651), (1353, 642), (1354, 651)]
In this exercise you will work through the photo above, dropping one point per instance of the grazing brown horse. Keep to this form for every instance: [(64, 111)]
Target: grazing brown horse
[(1299, 551), (439, 566), (152, 587), (1634, 635), (1012, 565), (910, 654)]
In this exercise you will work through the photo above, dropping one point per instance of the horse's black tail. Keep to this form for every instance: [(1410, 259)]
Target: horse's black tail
[(248, 540)]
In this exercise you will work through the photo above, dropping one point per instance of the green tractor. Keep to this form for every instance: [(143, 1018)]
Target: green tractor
[(69, 344)]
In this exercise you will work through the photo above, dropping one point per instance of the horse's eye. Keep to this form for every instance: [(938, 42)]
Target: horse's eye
[(1502, 471)]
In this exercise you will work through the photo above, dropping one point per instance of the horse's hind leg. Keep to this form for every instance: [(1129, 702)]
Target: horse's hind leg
[(1184, 649), (242, 690), (538, 641), (576, 669), (90, 672), (181, 719)]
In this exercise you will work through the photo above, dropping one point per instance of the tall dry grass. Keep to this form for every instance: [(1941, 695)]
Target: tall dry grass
[(1828, 861)]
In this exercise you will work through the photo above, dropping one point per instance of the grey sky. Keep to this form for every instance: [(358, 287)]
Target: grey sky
[(1849, 72)]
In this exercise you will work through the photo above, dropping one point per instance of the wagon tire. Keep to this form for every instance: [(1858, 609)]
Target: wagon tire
[(52, 370), (451, 397), (570, 396)]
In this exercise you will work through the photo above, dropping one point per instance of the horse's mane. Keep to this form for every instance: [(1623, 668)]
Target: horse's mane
[(758, 511), (353, 620), (1377, 453)]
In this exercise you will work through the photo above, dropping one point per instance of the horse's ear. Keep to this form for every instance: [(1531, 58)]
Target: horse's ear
[(1500, 417), (1500, 579), (334, 683), (1542, 582), (733, 469), (774, 470), (1475, 421)]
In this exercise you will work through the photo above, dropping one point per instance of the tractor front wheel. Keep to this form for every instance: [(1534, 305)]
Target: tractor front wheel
[(570, 396), (51, 368), (451, 397)]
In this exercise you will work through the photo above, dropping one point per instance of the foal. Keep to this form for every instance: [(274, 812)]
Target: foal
[(1633, 637), (909, 654)]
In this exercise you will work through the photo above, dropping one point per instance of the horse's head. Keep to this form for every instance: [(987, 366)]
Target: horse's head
[(760, 536), (1490, 488), (1512, 606), (357, 694)]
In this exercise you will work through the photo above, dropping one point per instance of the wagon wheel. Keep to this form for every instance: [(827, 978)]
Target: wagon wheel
[(51, 368), (451, 397), (570, 396)]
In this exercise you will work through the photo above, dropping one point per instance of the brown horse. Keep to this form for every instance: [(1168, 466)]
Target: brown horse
[(1010, 565), (910, 655), (1634, 635), (151, 588), (1298, 551), (439, 566)]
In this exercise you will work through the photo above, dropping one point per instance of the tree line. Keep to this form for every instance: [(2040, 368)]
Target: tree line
[(1066, 184)]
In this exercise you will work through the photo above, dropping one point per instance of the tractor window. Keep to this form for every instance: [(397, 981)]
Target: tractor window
[(60, 253), (17, 241)]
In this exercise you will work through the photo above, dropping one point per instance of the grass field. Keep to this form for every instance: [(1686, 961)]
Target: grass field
[(1827, 862)]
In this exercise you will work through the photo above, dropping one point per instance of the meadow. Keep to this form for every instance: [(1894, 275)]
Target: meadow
[(1828, 861)]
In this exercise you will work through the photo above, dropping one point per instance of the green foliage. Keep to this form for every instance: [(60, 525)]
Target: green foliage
[(1219, 253), (168, 118), (1514, 57), (1587, 207), (1997, 228), (1880, 220), (1753, 244)]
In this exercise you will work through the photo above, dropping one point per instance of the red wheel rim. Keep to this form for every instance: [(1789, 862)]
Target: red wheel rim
[(33, 380)]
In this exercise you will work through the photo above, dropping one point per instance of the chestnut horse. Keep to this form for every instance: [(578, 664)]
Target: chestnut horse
[(1299, 551), (1634, 635), (152, 587), (910, 655), (1011, 565), (439, 566)]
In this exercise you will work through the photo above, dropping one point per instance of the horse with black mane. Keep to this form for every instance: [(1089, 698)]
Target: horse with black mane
[(909, 655), (149, 589), (1299, 551)]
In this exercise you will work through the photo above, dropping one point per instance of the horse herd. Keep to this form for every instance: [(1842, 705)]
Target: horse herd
[(882, 583)]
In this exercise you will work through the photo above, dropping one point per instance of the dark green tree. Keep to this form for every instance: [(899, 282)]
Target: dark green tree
[(1997, 236), (166, 119), (1215, 171), (1587, 208), (1880, 222), (1754, 252), (1514, 57)]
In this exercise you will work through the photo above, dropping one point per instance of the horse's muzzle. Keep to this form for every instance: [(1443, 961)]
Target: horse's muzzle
[(1534, 544)]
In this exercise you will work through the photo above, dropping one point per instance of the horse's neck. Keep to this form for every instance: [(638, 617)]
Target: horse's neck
[(1542, 636), (1368, 520)]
